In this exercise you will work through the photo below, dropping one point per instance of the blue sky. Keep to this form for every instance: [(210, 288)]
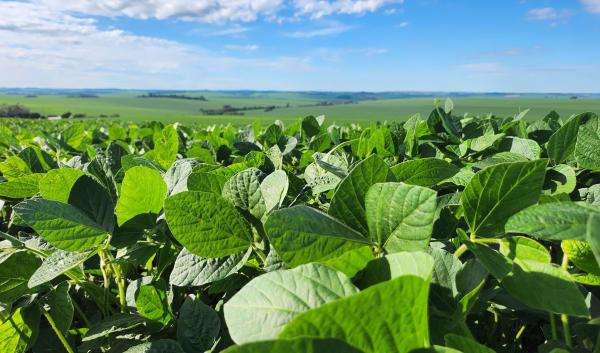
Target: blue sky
[(373, 45)]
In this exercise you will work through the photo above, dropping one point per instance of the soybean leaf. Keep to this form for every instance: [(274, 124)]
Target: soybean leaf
[(243, 191), (261, 309), (151, 302), (191, 270), (395, 265), (198, 326), (588, 144), (143, 192), (15, 271), (465, 344), (522, 248), (158, 346), (274, 188), (17, 333), (92, 198), (497, 192), (299, 345), (55, 265), (561, 144), (545, 287), (400, 216), (61, 307), (21, 187), (57, 183), (62, 225), (206, 182), (425, 172), (348, 203), (388, 317), (552, 221), (302, 234), (113, 324), (592, 234), (206, 224)]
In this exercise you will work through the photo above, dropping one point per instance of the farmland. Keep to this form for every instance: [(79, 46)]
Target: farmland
[(290, 106), (438, 232)]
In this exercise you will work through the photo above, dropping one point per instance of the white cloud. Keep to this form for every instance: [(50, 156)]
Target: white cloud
[(403, 24), (56, 49), (331, 30), (210, 11), (592, 6), (321, 8), (242, 48), (547, 13), (233, 31)]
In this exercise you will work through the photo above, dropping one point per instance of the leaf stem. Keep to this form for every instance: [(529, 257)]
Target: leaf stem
[(59, 334), (461, 249)]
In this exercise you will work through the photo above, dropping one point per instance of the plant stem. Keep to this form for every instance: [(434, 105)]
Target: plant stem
[(59, 334), (86, 321), (461, 249), (553, 328), (564, 318), (260, 254)]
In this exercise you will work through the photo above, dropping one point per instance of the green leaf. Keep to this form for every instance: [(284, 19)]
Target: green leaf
[(198, 326), (299, 345), (17, 333), (142, 194), (166, 145), (113, 324), (206, 224), (62, 225), (465, 344), (93, 199), (561, 144), (61, 307), (395, 265), (151, 302), (158, 346), (38, 160), (552, 221), (243, 191), (560, 179), (192, 271), (588, 144), (388, 317), (176, 177), (400, 216), (546, 287), (592, 234), (497, 192), (21, 187), (522, 248), (302, 234), (425, 172), (274, 188), (13, 167), (15, 271), (350, 262), (57, 183), (276, 298), (55, 265), (206, 182), (348, 203)]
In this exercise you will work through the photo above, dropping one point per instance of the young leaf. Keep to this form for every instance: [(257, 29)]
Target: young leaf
[(142, 195), (206, 224), (302, 234), (497, 192), (276, 298), (348, 203)]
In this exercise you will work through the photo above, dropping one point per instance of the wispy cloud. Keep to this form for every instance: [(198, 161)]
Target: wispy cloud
[(233, 31), (242, 48), (331, 30), (402, 24), (592, 6), (320, 8), (548, 13)]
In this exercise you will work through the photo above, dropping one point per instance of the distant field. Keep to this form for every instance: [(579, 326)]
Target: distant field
[(293, 106)]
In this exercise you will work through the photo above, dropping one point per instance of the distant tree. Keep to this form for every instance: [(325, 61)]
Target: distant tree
[(66, 115)]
